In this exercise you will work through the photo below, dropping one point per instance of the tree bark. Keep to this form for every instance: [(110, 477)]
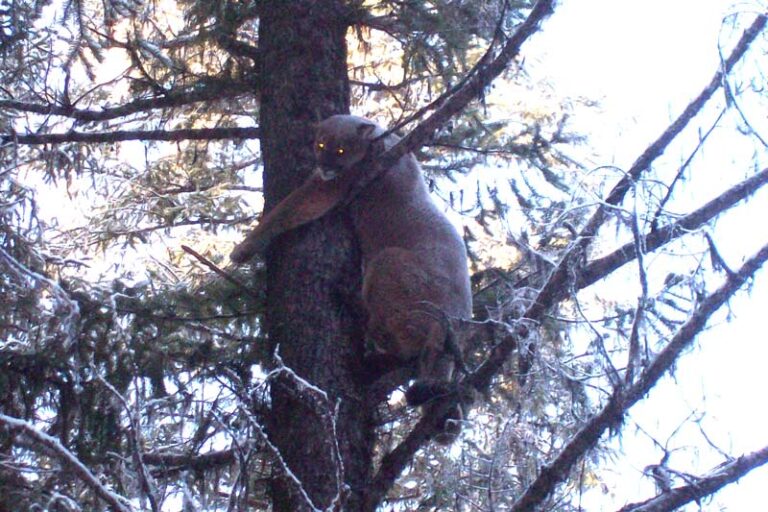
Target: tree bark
[(313, 272)]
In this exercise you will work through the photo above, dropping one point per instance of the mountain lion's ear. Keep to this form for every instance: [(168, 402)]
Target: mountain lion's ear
[(365, 131)]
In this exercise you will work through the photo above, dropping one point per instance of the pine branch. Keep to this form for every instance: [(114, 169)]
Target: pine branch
[(726, 473), (603, 267), (123, 135), (210, 90), (612, 414), (51, 446)]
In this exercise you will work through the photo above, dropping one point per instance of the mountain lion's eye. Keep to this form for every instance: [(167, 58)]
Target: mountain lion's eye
[(320, 146), (340, 151)]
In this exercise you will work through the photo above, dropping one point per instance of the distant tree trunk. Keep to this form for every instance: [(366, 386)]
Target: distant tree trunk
[(314, 271)]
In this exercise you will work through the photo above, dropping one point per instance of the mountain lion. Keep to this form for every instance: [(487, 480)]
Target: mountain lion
[(415, 273)]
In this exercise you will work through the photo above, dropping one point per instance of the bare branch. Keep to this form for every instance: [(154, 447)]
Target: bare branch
[(52, 445), (123, 135), (724, 474)]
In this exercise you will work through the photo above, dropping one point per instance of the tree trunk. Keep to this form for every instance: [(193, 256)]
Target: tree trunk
[(314, 271)]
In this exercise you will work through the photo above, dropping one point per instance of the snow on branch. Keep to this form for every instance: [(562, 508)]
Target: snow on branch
[(274, 451), (68, 323), (51, 445), (325, 409)]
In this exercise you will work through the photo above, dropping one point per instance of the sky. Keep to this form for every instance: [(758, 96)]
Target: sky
[(644, 61)]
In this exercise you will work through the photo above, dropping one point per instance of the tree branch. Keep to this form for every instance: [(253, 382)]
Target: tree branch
[(68, 459), (718, 478), (602, 267), (394, 462), (480, 79), (612, 414), (172, 462), (123, 135), (210, 90), (208, 263), (555, 288)]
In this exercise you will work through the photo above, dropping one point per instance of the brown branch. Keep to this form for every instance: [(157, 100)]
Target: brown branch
[(724, 474), (122, 135), (170, 462), (612, 414), (208, 263), (602, 267), (212, 90)]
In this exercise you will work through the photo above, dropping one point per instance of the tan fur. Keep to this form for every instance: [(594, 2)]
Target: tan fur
[(414, 261)]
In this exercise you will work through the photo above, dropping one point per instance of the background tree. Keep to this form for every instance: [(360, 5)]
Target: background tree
[(136, 375)]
